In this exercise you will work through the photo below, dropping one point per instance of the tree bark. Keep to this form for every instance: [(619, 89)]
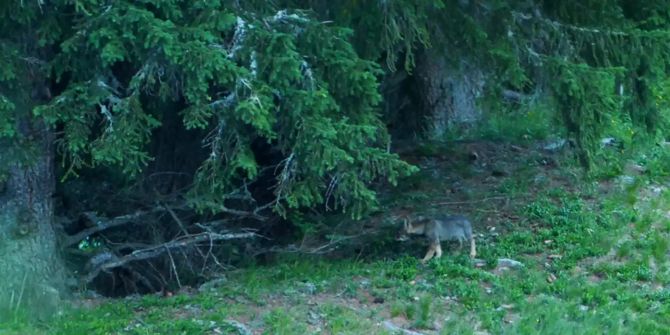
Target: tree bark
[(31, 271), (449, 92)]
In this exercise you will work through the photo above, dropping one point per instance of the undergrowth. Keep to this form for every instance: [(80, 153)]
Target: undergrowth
[(594, 261)]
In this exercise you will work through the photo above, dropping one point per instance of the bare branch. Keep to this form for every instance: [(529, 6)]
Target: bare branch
[(472, 201), (237, 212), (101, 224), (143, 254)]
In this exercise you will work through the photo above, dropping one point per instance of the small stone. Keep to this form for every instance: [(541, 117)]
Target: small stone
[(555, 146), (626, 180), (634, 168), (509, 263), (212, 284), (607, 141), (310, 288), (551, 278), (313, 318)]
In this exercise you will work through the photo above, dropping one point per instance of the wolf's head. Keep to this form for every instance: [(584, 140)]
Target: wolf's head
[(410, 227)]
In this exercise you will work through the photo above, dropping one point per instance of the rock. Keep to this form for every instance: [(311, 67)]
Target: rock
[(607, 141), (634, 168), (657, 190), (212, 284), (313, 318), (241, 329), (308, 288), (548, 161), (397, 330), (626, 180), (554, 146), (509, 263)]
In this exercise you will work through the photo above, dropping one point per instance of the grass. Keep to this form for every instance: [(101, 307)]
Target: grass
[(594, 255)]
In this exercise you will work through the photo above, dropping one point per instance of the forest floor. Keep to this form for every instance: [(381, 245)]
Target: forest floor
[(556, 255)]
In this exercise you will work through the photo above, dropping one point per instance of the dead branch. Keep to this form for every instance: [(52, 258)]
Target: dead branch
[(471, 201), (245, 214), (513, 95), (180, 242), (101, 224)]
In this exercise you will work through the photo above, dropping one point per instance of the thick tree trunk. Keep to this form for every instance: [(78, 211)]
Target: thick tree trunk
[(449, 92), (31, 274)]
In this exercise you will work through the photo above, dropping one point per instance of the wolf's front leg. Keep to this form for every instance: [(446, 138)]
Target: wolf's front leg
[(438, 250), (429, 253), (473, 251)]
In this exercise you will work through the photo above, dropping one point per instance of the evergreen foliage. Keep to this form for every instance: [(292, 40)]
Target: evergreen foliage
[(242, 75), (288, 74), (614, 52)]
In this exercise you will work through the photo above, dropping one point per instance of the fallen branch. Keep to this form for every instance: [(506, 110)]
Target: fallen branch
[(513, 95), (472, 201), (181, 242), (320, 250), (240, 213)]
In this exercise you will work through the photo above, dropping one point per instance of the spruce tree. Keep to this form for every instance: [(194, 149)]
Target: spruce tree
[(242, 73)]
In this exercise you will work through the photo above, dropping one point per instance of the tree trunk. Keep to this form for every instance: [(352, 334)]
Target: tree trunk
[(448, 92), (31, 273)]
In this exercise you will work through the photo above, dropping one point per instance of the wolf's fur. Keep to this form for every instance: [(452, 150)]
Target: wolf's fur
[(444, 228)]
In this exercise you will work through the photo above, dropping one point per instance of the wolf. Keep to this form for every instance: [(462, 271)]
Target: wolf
[(444, 228)]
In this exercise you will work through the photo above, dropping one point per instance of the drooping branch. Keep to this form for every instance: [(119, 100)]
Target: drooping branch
[(558, 25)]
